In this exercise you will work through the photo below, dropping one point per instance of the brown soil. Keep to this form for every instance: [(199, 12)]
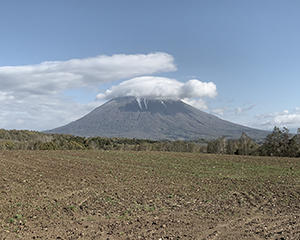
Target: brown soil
[(147, 195)]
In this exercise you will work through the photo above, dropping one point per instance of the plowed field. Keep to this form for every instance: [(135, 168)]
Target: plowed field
[(147, 195)]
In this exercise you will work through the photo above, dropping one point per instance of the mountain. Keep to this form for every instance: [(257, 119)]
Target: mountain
[(131, 117)]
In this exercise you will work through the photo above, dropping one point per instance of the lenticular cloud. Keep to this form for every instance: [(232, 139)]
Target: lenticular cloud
[(162, 88), (144, 87), (57, 76)]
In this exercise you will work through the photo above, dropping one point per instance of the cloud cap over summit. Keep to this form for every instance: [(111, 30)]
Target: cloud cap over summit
[(150, 87)]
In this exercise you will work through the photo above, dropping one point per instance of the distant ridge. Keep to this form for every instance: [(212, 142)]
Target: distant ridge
[(154, 119)]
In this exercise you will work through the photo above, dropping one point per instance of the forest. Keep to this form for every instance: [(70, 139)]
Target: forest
[(279, 143)]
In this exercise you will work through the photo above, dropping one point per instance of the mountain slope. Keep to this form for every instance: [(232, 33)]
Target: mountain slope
[(153, 119)]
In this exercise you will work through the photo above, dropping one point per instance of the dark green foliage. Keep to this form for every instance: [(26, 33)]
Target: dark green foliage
[(48, 146), (232, 146), (73, 145), (246, 146), (9, 145), (32, 140), (23, 135), (281, 143), (278, 143), (217, 146)]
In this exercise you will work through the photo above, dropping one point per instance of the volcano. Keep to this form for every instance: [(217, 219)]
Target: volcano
[(154, 119)]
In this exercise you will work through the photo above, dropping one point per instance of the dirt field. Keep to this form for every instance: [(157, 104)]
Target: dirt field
[(147, 195)]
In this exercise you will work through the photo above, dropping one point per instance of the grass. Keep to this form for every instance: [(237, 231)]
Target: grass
[(72, 207), (11, 220), (18, 216)]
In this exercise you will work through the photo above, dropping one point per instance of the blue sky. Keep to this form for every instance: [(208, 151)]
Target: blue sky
[(239, 60)]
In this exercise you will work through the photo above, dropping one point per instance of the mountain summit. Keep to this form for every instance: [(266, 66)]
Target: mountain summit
[(153, 119)]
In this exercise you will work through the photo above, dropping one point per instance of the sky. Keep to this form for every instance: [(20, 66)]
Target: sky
[(238, 60)]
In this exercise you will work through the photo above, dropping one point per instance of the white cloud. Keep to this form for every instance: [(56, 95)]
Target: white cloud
[(197, 103), (145, 87), (163, 88), (238, 110), (32, 96), (195, 88), (41, 112), (232, 112), (220, 111), (52, 77), (288, 119), (243, 109)]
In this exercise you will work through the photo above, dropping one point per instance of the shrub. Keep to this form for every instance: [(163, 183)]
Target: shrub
[(48, 146)]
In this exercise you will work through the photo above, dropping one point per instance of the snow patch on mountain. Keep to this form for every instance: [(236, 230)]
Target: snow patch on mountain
[(139, 103)]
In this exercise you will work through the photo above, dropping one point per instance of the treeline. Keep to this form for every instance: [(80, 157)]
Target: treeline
[(33, 140), (279, 143)]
